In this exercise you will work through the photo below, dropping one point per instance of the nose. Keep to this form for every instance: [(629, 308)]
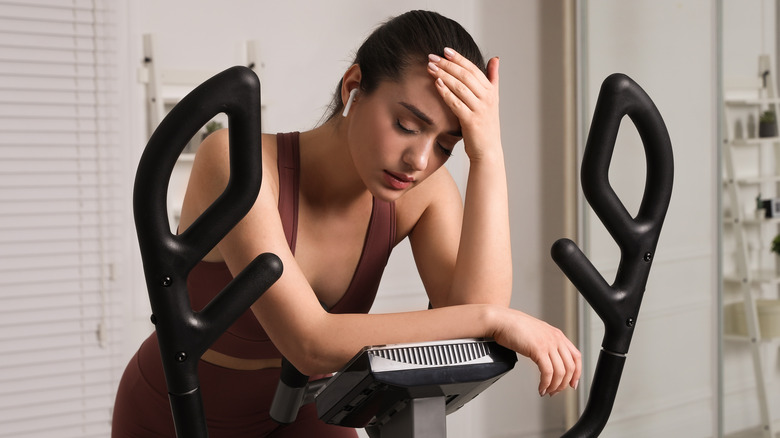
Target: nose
[(417, 154)]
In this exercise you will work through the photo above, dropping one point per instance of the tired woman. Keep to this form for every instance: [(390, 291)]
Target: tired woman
[(334, 202)]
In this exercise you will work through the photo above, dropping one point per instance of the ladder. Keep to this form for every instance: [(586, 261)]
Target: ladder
[(755, 268)]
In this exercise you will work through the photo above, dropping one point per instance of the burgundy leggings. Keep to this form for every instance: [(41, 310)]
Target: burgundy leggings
[(236, 403)]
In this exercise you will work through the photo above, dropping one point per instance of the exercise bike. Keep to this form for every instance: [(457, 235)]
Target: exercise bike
[(392, 390)]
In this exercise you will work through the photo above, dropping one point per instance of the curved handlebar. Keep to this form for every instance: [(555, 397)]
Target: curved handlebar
[(618, 304), (183, 334)]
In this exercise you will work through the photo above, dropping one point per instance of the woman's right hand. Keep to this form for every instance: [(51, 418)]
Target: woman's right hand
[(559, 361), (473, 98)]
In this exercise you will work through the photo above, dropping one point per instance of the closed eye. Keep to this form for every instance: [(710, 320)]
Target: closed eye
[(445, 151), (403, 128)]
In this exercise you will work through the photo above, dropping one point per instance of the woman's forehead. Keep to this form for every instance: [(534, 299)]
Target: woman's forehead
[(417, 94)]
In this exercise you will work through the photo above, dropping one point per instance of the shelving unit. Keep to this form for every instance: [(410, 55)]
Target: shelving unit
[(164, 89), (752, 171)]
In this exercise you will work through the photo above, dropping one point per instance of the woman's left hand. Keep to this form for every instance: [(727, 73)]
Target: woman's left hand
[(473, 97)]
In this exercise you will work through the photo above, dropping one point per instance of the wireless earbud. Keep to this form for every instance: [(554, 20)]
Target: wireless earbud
[(349, 102)]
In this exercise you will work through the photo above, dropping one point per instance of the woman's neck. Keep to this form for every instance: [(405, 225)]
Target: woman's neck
[(328, 175)]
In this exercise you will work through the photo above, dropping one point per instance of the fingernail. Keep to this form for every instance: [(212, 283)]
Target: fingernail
[(434, 58), (433, 66), (544, 391), (449, 52), (576, 384), (439, 82)]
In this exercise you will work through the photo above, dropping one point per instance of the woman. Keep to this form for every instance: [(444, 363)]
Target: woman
[(333, 203)]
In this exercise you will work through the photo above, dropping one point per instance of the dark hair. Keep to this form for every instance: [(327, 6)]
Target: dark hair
[(404, 41)]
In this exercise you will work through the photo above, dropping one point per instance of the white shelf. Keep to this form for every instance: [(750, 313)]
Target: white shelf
[(750, 101), (742, 338), (756, 277), (761, 220), (728, 220), (737, 337), (757, 179), (756, 141), (753, 432)]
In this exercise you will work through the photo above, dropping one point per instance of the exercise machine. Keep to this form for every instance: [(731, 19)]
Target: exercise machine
[(393, 390), (402, 390)]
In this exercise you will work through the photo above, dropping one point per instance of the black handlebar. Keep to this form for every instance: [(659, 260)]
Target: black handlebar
[(618, 304), (183, 334)]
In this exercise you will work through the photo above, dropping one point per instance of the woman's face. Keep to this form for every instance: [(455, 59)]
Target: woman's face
[(400, 134)]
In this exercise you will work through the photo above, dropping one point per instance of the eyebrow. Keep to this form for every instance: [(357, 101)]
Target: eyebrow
[(425, 118)]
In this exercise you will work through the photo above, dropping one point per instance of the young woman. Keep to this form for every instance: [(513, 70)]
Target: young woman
[(334, 202)]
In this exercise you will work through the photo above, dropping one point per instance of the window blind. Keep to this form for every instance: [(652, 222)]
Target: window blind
[(60, 218)]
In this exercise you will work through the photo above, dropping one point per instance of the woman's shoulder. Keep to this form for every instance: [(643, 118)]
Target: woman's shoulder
[(438, 192), (214, 152), (211, 167), (216, 145)]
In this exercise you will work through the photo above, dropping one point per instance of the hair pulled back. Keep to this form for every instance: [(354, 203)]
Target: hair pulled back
[(404, 41)]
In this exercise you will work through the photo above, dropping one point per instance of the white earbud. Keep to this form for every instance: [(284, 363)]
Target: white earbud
[(349, 102)]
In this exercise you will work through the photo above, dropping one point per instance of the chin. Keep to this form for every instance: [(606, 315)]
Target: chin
[(388, 195)]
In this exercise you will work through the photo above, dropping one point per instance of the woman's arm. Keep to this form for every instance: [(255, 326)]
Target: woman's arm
[(319, 342), (477, 268), (482, 270)]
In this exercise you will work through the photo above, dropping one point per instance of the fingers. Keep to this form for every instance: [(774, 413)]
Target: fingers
[(558, 360), (547, 371), (560, 367), (554, 374), (557, 385), (455, 90), (461, 82), (570, 368), (492, 71), (577, 356)]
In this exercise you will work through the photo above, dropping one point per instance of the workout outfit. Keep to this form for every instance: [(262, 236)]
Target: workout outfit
[(237, 402)]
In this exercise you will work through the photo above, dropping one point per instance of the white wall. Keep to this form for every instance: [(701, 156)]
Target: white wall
[(305, 48), (669, 48)]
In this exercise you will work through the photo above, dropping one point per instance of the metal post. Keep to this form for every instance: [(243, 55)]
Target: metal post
[(421, 418)]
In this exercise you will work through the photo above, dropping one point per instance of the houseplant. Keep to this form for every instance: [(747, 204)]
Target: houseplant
[(767, 124), (211, 127), (775, 248)]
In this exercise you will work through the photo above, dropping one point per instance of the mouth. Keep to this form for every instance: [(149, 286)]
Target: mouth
[(398, 181)]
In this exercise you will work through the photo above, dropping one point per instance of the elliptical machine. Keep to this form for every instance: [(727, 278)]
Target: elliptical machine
[(397, 390)]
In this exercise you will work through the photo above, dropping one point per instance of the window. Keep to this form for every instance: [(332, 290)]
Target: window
[(61, 216)]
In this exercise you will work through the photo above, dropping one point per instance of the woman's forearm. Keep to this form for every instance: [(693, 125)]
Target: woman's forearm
[(335, 338), (483, 272)]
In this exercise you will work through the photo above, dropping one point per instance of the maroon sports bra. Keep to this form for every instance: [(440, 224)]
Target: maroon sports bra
[(246, 337)]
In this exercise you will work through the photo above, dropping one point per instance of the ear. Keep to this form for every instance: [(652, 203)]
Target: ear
[(350, 81)]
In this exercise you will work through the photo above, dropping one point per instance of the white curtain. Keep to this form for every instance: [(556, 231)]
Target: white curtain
[(61, 215)]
